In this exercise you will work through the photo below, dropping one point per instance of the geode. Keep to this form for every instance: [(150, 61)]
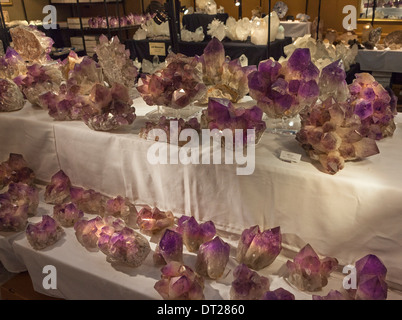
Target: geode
[(195, 234), (154, 220), (308, 272), (67, 214), (58, 190), (248, 284), (11, 98), (44, 233), (258, 249), (169, 248), (212, 258), (180, 282)]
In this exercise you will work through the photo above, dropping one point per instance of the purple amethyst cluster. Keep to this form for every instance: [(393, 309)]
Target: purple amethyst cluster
[(15, 169), (248, 284), (12, 65), (89, 200), (44, 233), (67, 214), (195, 234), (285, 90), (152, 220), (114, 22), (58, 190)]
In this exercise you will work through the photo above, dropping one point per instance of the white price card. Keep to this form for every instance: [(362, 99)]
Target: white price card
[(290, 157)]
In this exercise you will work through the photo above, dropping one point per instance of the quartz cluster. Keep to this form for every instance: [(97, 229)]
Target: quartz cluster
[(194, 233), (308, 272), (248, 284), (11, 65), (11, 98), (196, 36), (15, 169), (222, 115), (284, 90), (180, 282), (67, 214), (152, 220), (176, 86), (224, 78), (44, 233)]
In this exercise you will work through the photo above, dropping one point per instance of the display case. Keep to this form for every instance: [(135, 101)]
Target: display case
[(384, 10)]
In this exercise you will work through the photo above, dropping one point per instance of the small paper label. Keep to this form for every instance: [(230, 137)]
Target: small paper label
[(290, 156), (157, 49)]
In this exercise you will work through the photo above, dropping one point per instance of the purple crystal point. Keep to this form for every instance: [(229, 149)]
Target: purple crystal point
[(180, 282), (300, 59), (44, 233), (212, 258), (258, 249), (58, 190), (308, 272), (170, 248), (278, 294), (195, 234), (247, 284), (67, 214), (154, 220)]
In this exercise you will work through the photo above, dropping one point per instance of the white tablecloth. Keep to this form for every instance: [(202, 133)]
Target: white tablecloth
[(380, 60), (349, 215), (296, 29)]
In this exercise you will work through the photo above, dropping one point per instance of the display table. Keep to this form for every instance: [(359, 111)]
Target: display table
[(234, 49), (346, 216), (295, 29)]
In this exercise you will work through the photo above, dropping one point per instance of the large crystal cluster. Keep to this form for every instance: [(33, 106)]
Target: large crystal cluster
[(176, 86), (180, 282), (283, 90), (248, 284), (221, 115), (44, 233), (12, 65), (11, 98), (67, 214), (169, 248), (31, 44), (224, 78), (238, 30), (212, 258), (85, 76), (154, 220), (259, 29), (15, 169), (58, 190), (308, 272), (195, 234), (258, 249)]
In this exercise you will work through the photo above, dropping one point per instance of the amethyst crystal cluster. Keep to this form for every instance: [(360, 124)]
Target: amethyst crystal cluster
[(221, 115), (285, 90), (195, 234), (169, 248), (85, 75), (176, 86), (248, 284), (44, 233), (180, 282), (15, 169), (223, 78), (58, 190), (154, 220), (12, 65), (11, 98), (67, 214), (278, 294), (308, 272)]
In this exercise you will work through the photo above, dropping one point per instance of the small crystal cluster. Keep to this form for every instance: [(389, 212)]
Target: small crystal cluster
[(283, 90), (67, 214), (248, 284), (154, 220), (44, 233), (11, 98), (238, 30), (122, 208), (89, 201), (180, 282), (223, 78), (11, 65), (212, 258), (278, 294), (221, 115), (307, 272), (176, 86), (195, 234), (15, 169), (88, 231), (258, 249), (169, 248), (58, 190), (21, 194)]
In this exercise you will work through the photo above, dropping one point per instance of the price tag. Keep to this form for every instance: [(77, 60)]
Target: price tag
[(157, 49), (290, 157)]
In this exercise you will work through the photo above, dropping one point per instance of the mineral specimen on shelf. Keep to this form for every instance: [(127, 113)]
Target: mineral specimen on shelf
[(58, 190), (176, 86), (212, 258), (67, 214), (44, 233), (259, 29), (15, 169), (315, 26), (238, 30), (373, 38), (88, 231), (281, 9), (170, 248), (221, 115), (12, 217), (217, 29), (333, 83), (332, 136), (393, 40), (85, 75), (307, 272), (38, 80), (122, 208), (248, 284), (303, 17), (21, 194), (32, 44), (111, 109), (124, 246), (154, 220), (180, 282), (285, 90), (258, 249), (116, 63), (11, 65), (332, 295), (224, 78), (196, 36), (11, 98), (331, 35), (278, 294), (195, 234), (89, 201), (164, 124)]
